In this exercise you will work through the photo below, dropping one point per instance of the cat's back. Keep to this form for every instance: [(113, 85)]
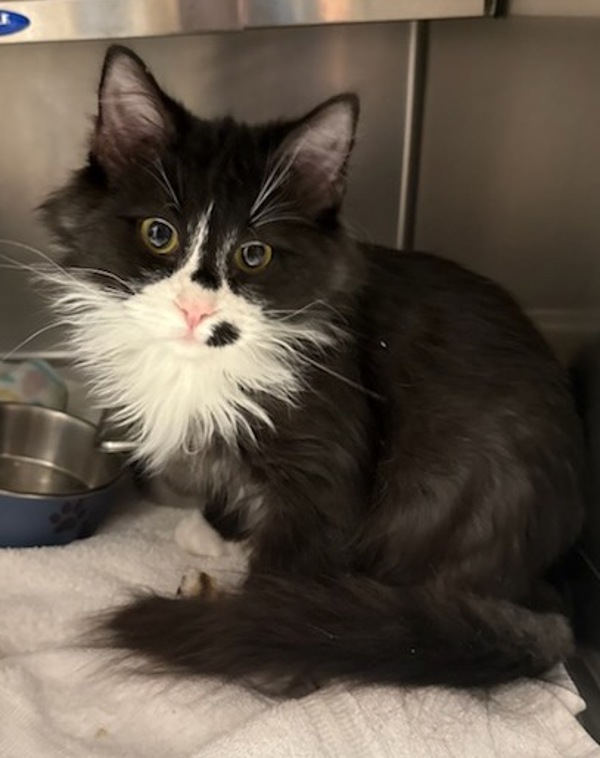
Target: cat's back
[(453, 350), (419, 300)]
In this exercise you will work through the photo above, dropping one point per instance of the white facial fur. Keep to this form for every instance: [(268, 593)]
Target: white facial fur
[(174, 392)]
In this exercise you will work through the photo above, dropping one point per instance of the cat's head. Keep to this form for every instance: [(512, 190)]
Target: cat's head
[(206, 260)]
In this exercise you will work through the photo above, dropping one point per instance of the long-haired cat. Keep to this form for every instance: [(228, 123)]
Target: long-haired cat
[(387, 431)]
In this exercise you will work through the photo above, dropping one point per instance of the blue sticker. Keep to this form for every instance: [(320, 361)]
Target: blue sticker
[(11, 23)]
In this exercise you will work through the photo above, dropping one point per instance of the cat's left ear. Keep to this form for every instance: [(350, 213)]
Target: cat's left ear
[(317, 150), (133, 114)]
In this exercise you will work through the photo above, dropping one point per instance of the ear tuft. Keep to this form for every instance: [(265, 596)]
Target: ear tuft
[(318, 149), (133, 121)]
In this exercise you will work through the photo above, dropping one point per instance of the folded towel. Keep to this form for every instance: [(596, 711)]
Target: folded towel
[(61, 699)]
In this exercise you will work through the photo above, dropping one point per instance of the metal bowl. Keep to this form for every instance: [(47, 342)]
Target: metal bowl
[(56, 485)]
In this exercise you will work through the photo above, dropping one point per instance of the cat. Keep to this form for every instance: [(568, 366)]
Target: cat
[(388, 433)]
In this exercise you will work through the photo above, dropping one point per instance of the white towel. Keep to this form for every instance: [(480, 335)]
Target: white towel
[(59, 699)]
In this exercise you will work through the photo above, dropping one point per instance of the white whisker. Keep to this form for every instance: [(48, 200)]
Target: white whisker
[(18, 266), (274, 180), (33, 268), (162, 180), (290, 314), (179, 177), (50, 271), (272, 208), (48, 265), (342, 378), (27, 340), (278, 219), (102, 272), (30, 249), (161, 169)]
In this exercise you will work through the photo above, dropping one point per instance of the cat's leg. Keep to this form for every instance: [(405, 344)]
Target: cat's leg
[(198, 584), (196, 536)]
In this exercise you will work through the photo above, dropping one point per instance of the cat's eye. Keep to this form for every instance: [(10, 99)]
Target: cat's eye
[(159, 236), (253, 257)]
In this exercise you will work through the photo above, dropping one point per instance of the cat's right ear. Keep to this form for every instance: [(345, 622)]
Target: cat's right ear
[(133, 121)]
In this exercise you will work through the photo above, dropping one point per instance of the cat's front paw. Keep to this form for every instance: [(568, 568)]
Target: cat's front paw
[(195, 583), (196, 536)]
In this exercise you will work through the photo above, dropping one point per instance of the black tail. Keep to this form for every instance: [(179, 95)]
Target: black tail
[(279, 634)]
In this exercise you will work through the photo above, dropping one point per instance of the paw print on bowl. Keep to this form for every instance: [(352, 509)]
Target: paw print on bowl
[(71, 516)]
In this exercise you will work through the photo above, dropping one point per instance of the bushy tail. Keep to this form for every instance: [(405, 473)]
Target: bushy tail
[(278, 634)]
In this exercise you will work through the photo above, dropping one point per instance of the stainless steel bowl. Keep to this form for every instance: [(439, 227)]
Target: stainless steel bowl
[(56, 485)]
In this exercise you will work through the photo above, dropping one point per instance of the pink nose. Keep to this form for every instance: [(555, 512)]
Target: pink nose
[(194, 311)]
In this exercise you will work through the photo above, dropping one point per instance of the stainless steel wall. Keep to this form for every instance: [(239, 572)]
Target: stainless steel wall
[(48, 97), (511, 161)]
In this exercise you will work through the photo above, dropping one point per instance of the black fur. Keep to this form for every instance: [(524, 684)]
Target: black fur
[(283, 635), (227, 522), (427, 480), (207, 278), (223, 334)]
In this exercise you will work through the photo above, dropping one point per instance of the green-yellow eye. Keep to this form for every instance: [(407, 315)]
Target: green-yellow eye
[(159, 236), (253, 257)]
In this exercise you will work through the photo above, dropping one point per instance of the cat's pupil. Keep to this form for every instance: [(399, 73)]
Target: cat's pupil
[(159, 234), (253, 254)]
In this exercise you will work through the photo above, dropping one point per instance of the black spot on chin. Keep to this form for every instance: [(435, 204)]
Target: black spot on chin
[(223, 334), (206, 278)]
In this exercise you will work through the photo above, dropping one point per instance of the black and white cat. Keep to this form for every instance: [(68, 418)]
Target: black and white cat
[(388, 432)]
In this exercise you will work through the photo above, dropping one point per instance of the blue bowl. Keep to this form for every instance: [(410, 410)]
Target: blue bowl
[(56, 486)]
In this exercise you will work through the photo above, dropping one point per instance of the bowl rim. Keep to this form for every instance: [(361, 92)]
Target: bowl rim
[(57, 495)]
